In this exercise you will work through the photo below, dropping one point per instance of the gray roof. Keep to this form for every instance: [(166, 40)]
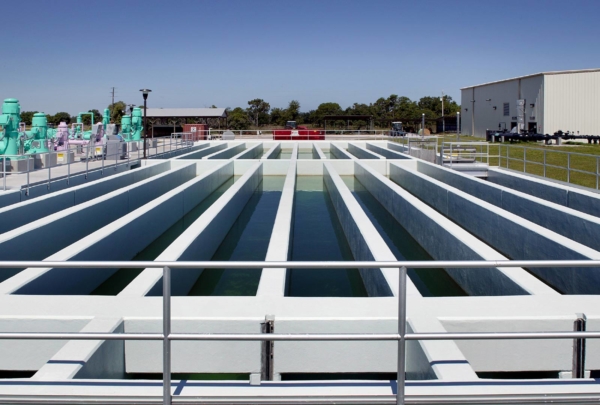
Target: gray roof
[(556, 72), (186, 112)]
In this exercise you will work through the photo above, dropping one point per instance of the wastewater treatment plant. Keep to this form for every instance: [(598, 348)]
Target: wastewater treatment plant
[(174, 270)]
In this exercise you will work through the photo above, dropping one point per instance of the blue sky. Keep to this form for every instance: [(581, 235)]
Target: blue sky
[(65, 55)]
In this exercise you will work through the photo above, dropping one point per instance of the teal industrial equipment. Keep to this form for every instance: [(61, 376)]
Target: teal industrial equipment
[(36, 140), (136, 124), (105, 118), (9, 127), (126, 127), (79, 132)]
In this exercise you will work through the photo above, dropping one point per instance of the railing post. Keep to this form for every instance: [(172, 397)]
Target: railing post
[(87, 160), (48, 159), (507, 156), (401, 342), (68, 165), (102, 159), (597, 163), (166, 333), (4, 173), (568, 167), (544, 162), (524, 160), (27, 175)]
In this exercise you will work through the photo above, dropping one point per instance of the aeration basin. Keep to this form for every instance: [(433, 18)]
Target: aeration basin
[(282, 200)]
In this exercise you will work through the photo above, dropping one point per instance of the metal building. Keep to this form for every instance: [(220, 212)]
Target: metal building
[(544, 102)]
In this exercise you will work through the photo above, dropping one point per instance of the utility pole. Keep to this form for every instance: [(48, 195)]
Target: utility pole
[(113, 96)]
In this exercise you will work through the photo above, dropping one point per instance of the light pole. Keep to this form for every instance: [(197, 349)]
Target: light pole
[(443, 122), (145, 94), (458, 127), (423, 125)]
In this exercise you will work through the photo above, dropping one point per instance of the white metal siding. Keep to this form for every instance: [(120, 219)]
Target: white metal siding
[(572, 103)]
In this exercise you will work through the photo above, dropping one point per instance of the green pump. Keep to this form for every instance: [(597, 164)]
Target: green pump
[(105, 118), (9, 127), (136, 124), (126, 127), (36, 140)]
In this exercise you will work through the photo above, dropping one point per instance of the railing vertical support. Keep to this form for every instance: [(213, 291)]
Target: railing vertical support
[(68, 165), (4, 172), (524, 160), (568, 167), (402, 341), (27, 175), (544, 162), (166, 333), (48, 160), (507, 156), (87, 160), (597, 164)]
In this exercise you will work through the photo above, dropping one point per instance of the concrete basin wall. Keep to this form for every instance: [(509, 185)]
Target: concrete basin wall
[(339, 153), (200, 240), (114, 241), (577, 199), (273, 152), (510, 234), (387, 153), (444, 240), (362, 153), (363, 239), (16, 215), (228, 153), (199, 154), (38, 239), (573, 224), (253, 152)]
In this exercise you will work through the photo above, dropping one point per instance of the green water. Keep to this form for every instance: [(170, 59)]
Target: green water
[(318, 235), (328, 155), (284, 154), (429, 282), (305, 154), (248, 239), (119, 280)]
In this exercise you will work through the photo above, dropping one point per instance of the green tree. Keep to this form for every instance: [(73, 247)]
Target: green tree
[(277, 116), (293, 111), (258, 110), (238, 119), (27, 116), (116, 111), (327, 109), (87, 119), (61, 117)]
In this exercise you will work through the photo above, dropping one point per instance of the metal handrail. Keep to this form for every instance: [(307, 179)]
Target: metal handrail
[(568, 168), (401, 337)]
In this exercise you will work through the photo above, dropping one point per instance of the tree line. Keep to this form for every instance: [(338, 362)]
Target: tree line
[(393, 108), (260, 114)]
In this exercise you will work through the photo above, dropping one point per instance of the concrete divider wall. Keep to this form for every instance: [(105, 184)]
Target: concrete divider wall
[(443, 240), (228, 153), (201, 240), (30, 210), (573, 224), (338, 152), (510, 234), (363, 239), (254, 152), (203, 152), (9, 197), (88, 358), (387, 153), (577, 199), (114, 241), (272, 281), (362, 153), (273, 152), (398, 147), (39, 239), (317, 152)]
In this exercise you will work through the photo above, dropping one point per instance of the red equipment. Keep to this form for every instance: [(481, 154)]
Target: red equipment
[(293, 132)]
